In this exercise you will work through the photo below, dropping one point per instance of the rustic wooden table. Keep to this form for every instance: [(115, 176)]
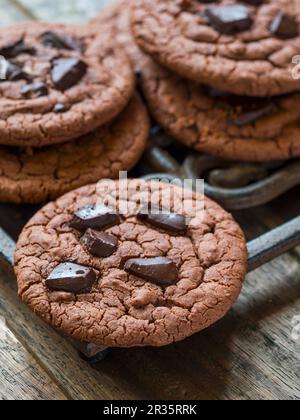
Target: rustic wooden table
[(248, 355)]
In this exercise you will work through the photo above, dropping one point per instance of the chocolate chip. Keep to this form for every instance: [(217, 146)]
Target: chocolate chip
[(284, 26), (94, 217), (60, 108), (161, 271), (67, 72), (15, 49), (229, 19), (71, 277), (53, 40), (171, 222), (14, 73), (99, 244), (37, 90), (252, 116)]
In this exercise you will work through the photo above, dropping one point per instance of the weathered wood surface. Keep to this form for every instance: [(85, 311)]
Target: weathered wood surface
[(20, 374), (248, 355)]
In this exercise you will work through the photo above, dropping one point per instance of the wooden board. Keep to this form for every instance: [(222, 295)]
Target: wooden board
[(248, 355)]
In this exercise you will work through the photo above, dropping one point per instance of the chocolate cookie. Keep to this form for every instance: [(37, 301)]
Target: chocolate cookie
[(160, 281), (215, 122), (61, 82), (244, 47), (117, 16), (33, 176)]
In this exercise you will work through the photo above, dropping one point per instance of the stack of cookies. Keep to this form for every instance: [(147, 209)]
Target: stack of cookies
[(217, 75), (133, 279), (69, 115)]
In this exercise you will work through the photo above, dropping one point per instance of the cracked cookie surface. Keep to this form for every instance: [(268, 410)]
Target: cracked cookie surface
[(61, 82), (121, 309), (214, 122), (33, 176), (253, 62)]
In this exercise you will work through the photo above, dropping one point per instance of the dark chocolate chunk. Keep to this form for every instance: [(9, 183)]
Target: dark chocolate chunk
[(94, 217), (284, 26), (99, 244), (252, 116), (229, 19), (53, 40), (171, 222), (37, 90), (67, 72), (242, 110), (59, 108), (14, 73), (15, 49), (161, 271), (72, 278)]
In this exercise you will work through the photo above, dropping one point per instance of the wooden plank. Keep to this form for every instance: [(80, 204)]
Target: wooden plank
[(272, 214), (21, 378), (75, 377)]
